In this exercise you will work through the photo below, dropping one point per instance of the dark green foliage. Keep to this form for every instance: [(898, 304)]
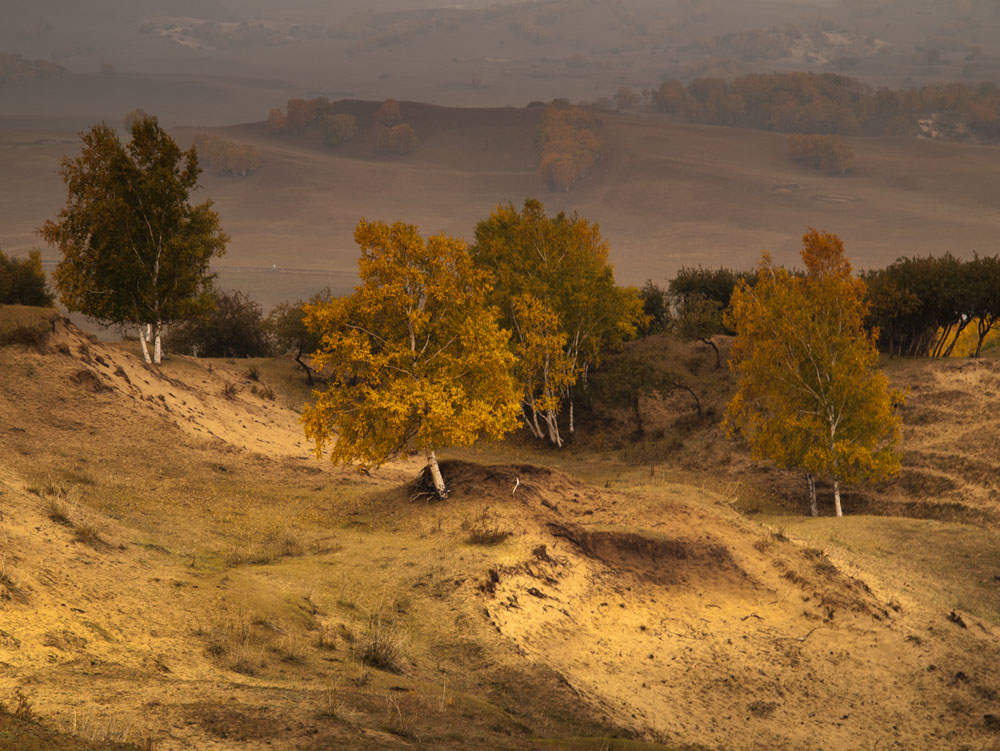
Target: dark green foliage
[(135, 251), (627, 378), (656, 307), (699, 318), (289, 332), (714, 284), (921, 305), (234, 327), (22, 281)]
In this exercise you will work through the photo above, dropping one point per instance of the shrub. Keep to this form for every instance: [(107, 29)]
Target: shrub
[(338, 129), (234, 327), (22, 281)]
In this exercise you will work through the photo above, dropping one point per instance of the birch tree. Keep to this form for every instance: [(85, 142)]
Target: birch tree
[(556, 290), (136, 253), (810, 394), (417, 358)]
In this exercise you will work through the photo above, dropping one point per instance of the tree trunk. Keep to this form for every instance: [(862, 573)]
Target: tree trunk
[(145, 349), (836, 498), (531, 420), (958, 333), (572, 427), (157, 343), (436, 478), (718, 356), (811, 484), (552, 420)]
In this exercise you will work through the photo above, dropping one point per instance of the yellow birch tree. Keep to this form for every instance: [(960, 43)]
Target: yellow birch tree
[(417, 357), (810, 394)]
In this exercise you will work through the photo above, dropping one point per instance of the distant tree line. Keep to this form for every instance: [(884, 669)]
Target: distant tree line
[(14, 67), (392, 134), (569, 144), (828, 103), (226, 157)]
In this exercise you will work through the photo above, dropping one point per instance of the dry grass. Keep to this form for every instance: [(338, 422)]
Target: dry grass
[(380, 644), (9, 584), (89, 534), (486, 528)]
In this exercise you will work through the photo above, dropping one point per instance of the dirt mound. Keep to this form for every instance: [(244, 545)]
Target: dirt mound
[(649, 602)]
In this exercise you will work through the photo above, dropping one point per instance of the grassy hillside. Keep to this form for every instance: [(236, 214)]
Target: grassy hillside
[(178, 571)]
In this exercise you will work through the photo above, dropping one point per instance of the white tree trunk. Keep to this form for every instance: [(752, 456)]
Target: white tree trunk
[(436, 478), (836, 498), (145, 349), (157, 343), (149, 332), (552, 420), (572, 428), (811, 484)]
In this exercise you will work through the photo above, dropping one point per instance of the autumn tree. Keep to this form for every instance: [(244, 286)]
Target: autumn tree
[(810, 394), (400, 139), (416, 355), (226, 157), (276, 121), (136, 252), (557, 292), (338, 129), (134, 116)]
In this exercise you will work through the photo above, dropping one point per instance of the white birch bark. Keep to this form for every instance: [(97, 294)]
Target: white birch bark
[(436, 477)]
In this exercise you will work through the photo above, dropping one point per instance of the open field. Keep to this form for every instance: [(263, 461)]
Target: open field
[(179, 572), (669, 194)]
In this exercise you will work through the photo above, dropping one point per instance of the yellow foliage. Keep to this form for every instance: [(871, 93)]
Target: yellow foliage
[(417, 357), (810, 393)]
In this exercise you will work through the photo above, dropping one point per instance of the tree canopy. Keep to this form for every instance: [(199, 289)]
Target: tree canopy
[(416, 355), (556, 290), (135, 250), (810, 394)]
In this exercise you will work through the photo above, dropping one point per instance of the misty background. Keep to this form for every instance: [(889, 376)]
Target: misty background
[(666, 195)]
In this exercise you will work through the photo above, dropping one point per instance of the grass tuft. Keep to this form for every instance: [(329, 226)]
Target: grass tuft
[(380, 645), (485, 529), (89, 535)]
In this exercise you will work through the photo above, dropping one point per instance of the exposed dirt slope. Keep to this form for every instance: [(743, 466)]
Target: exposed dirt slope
[(169, 576), (676, 617)]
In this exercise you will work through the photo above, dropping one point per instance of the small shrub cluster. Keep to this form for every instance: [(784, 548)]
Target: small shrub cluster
[(233, 327), (823, 152), (22, 281), (226, 158)]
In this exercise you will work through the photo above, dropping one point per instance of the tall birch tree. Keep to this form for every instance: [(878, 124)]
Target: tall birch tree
[(556, 290), (810, 394), (136, 252)]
